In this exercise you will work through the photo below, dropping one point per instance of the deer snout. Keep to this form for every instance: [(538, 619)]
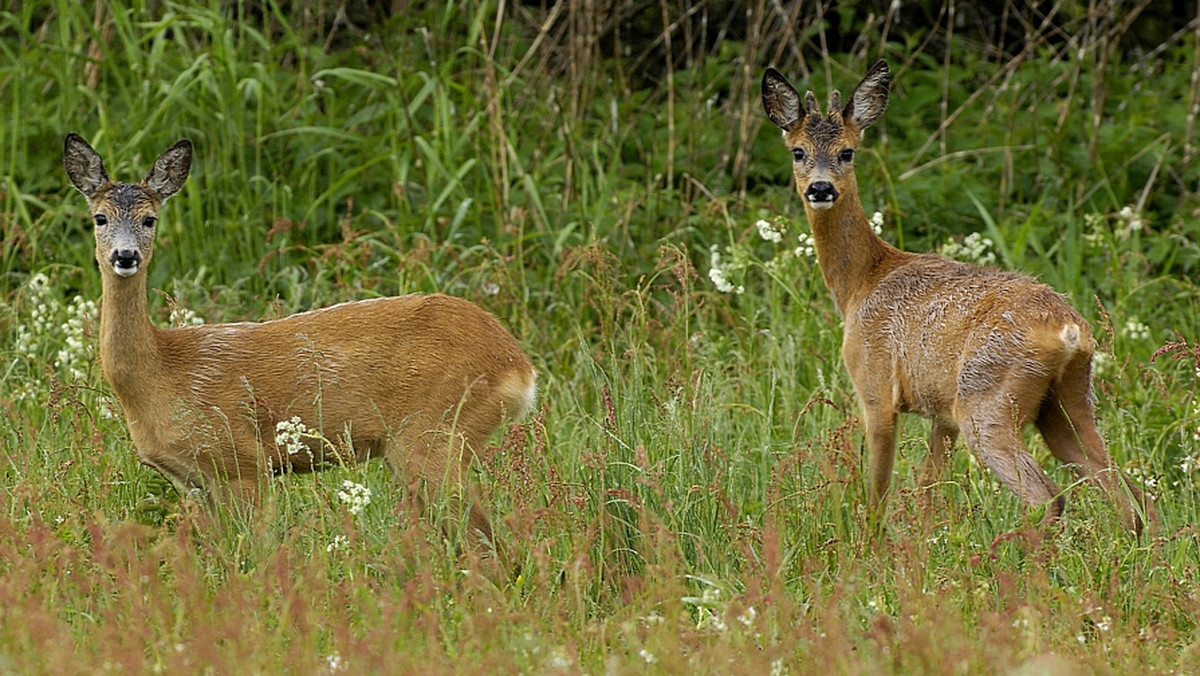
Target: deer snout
[(125, 261), (821, 194)]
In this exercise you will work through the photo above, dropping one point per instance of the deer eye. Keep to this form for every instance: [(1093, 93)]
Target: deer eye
[(846, 156), (149, 221), (798, 154), (101, 220)]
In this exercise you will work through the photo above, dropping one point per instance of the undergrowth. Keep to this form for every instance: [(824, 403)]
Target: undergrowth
[(687, 496)]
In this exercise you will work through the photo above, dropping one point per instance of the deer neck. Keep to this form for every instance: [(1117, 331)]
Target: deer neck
[(129, 354), (848, 250)]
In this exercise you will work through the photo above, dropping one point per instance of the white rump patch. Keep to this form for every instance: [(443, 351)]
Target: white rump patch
[(1070, 338)]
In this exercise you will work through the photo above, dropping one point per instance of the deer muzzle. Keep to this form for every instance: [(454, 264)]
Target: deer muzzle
[(125, 261), (821, 194)]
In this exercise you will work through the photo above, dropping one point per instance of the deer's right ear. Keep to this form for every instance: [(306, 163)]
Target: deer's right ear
[(170, 170), (781, 101), (84, 166)]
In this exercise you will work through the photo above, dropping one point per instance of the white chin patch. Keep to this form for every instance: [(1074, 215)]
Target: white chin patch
[(819, 206), (125, 272)]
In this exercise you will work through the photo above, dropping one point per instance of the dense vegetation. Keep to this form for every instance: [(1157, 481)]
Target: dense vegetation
[(688, 496)]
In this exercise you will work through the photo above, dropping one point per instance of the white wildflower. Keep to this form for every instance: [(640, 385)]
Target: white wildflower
[(877, 222), (647, 656), (76, 352), (747, 617), (289, 435), (1135, 330), (974, 248), (337, 542), (181, 316), (1133, 220), (717, 274), (778, 668), (1104, 624), (769, 231), (355, 496), (807, 246)]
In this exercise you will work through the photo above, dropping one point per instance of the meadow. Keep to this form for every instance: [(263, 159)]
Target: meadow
[(687, 497)]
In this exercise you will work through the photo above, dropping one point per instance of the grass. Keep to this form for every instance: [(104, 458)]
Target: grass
[(688, 495)]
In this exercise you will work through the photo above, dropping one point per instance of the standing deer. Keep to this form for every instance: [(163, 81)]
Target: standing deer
[(981, 351), (420, 380)]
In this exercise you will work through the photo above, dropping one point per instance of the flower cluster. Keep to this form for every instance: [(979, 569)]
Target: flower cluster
[(974, 248), (769, 231), (290, 434), (355, 496), (877, 222), (719, 274), (725, 266), (181, 316), (76, 353), (1135, 330)]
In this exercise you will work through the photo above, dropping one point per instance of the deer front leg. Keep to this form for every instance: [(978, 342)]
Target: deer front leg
[(881, 454)]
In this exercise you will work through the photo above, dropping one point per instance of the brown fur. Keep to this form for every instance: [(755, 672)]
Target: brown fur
[(980, 351), (420, 380)]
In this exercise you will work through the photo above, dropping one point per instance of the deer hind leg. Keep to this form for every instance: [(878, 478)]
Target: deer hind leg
[(1067, 422), (438, 459), (995, 438)]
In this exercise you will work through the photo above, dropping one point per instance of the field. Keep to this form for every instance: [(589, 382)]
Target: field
[(688, 496)]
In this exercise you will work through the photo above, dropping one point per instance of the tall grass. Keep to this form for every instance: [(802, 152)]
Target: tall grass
[(687, 497)]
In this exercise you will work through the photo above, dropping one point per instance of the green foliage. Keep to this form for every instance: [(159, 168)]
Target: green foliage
[(689, 491)]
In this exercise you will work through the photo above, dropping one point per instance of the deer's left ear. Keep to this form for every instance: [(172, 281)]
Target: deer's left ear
[(869, 99), (170, 170)]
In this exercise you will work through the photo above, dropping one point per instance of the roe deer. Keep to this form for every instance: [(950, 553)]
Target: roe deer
[(979, 350), (420, 380)]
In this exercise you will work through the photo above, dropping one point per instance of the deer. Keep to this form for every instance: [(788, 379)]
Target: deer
[(981, 351), (419, 380)]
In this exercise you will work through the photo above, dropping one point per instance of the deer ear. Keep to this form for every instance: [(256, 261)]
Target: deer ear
[(170, 170), (84, 166), (869, 99), (781, 101)]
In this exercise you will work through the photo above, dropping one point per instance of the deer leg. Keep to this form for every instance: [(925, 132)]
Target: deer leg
[(1067, 423), (941, 444), (933, 469), (998, 444), (881, 454), (439, 461)]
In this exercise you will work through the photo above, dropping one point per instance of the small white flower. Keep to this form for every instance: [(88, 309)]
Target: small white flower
[(974, 248), (717, 274), (747, 617), (289, 435), (647, 656), (1104, 624), (355, 496), (1135, 330), (1133, 220), (877, 222), (769, 231), (337, 542), (181, 316), (807, 246), (491, 289)]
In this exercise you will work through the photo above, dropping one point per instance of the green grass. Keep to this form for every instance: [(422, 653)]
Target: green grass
[(687, 497)]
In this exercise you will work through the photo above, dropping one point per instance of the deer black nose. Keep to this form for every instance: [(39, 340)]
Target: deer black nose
[(821, 192), (125, 259)]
